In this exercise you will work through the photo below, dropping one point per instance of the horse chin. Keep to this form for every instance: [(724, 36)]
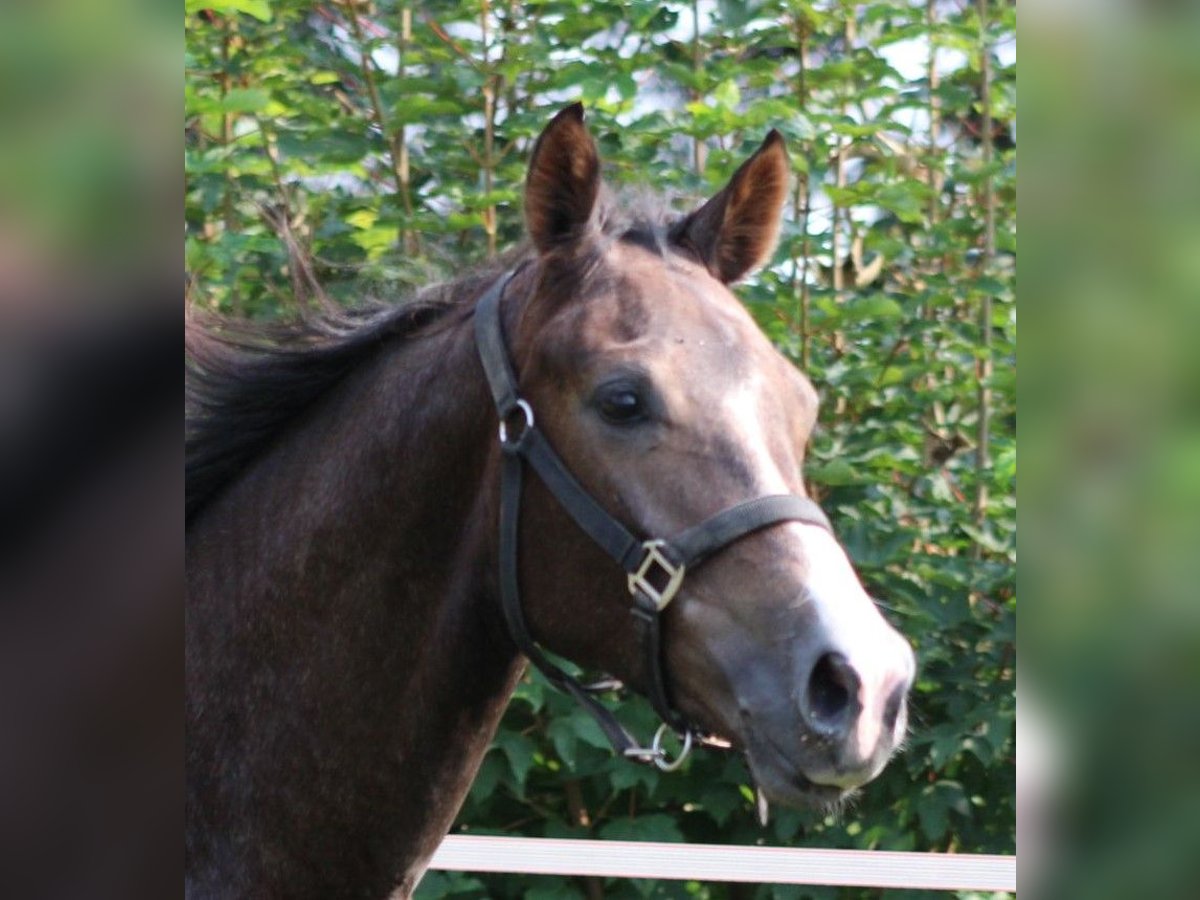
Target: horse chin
[(784, 783)]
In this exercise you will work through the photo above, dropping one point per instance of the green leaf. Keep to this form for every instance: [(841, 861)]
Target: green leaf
[(835, 472), (932, 813), (738, 13), (985, 538), (238, 100), (873, 307), (259, 9), (727, 95), (945, 745), (561, 732), (720, 801), (655, 827), (518, 750), (626, 775), (906, 200), (552, 887)]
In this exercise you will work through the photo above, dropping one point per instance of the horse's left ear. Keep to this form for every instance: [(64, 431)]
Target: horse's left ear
[(735, 232), (563, 182)]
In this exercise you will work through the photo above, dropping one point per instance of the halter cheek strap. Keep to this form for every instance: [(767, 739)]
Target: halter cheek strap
[(655, 568)]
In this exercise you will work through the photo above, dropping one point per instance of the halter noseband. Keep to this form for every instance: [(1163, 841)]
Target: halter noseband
[(655, 568)]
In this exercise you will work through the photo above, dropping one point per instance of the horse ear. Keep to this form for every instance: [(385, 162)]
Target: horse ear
[(563, 181), (735, 232)]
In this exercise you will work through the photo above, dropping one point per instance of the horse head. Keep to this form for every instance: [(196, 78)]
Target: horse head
[(668, 404)]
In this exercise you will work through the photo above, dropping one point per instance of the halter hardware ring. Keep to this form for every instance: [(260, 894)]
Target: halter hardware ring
[(657, 755), (660, 755), (516, 442), (640, 583)]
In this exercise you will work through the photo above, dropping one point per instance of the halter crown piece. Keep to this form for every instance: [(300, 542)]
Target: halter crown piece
[(655, 567)]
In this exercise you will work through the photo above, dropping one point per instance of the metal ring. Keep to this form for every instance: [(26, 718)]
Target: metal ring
[(525, 408), (660, 755)]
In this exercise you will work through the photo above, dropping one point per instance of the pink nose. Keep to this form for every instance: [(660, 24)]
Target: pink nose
[(854, 671), (857, 707)]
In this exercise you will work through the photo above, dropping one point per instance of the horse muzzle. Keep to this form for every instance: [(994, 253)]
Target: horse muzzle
[(824, 710), (841, 722)]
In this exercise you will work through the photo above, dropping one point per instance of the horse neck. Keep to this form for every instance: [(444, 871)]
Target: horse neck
[(341, 620)]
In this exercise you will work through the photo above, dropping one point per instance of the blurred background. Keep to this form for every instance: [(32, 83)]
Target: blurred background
[(91, 525), (1110, 634)]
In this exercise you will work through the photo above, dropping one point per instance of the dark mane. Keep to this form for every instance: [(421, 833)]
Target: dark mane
[(246, 381)]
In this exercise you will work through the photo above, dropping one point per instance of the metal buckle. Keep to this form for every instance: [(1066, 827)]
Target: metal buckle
[(516, 442), (640, 580), (657, 755)]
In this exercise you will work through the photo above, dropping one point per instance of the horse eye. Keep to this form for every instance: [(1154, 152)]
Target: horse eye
[(621, 405)]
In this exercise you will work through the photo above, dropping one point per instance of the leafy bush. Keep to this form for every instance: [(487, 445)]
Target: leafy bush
[(368, 146)]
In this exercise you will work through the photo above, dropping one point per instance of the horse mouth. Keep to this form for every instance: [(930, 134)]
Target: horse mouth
[(782, 779)]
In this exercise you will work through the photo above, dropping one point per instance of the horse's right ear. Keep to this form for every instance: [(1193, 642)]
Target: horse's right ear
[(563, 182), (735, 232)]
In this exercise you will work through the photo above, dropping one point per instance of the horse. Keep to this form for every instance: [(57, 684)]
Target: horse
[(368, 575)]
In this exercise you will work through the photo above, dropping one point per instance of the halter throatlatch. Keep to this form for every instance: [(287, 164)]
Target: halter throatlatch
[(655, 567)]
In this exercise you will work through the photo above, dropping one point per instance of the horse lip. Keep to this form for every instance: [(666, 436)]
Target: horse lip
[(781, 778)]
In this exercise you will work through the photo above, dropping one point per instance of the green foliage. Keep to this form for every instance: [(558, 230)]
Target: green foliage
[(304, 166)]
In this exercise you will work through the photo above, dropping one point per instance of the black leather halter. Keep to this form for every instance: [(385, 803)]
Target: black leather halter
[(655, 567)]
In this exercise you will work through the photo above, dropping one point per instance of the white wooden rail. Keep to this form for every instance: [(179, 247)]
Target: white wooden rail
[(714, 862)]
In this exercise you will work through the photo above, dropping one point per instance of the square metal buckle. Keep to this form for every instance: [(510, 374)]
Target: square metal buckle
[(656, 564)]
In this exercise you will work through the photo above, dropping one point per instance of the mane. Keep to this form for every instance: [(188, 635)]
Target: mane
[(246, 381)]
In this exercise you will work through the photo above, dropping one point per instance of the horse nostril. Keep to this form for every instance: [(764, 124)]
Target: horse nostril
[(832, 690)]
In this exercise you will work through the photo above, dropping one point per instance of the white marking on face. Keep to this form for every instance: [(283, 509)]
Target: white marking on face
[(850, 622), (854, 627), (741, 408)]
